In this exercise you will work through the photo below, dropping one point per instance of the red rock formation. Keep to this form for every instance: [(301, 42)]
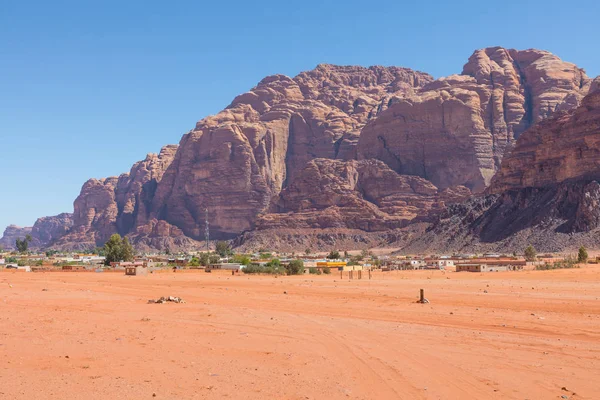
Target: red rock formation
[(258, 155), (455, 131), (365, 195), (116, 205), (234, 162), (11, 234), (44, 232), (563, 148), (547, 193)]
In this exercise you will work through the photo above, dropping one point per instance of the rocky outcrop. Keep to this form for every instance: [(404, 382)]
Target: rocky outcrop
[(547, 193), (362, 195), (160, 235), (116, 204), (456, 130), (554, 151), (234, 162), (46, 230), (11, 234)]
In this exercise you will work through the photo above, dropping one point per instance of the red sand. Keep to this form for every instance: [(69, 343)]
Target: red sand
[(93, 336)]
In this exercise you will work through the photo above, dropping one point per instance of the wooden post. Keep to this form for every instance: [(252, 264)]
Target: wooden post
[(422, 296), (341, 274), (369, 274)]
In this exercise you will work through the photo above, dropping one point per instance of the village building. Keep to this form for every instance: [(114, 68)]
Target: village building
[(481, 268), (236, 267)]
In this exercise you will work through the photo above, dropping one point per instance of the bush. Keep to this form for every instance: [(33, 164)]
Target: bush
[(194, 262), (295, 267), (11, 260), (243, 259), (223, 248), (314, 271), (582, 256), (530, 253), (567, 263), (327, 271), (333, 255), (22, 262)]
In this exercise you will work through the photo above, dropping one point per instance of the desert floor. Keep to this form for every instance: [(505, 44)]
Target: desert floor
[(508, 335)]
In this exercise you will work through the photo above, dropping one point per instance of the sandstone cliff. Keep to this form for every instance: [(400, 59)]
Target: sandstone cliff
[(11, 234), (547, 193), (45, 231), (456, 130), (115, 205), (234, 162)]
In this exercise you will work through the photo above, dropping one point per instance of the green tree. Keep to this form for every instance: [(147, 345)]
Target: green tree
[(582, 256), (194, 262), (223, 248), (295, 267), (333, 255), (530, 253), (307, 252), (241, 259), (117, 249), (204, 259), (214, 259), (23, 244), (127, 252)]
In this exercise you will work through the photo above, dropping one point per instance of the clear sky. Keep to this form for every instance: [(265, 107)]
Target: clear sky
[(88, 88)]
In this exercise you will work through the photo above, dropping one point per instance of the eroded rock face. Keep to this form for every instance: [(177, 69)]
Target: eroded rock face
[(116, 204), (160, 235), (546, 194), (44, 232), (11, 234), (456, 130), (563, 148), (48, 229), (364, 195), (234, 162)]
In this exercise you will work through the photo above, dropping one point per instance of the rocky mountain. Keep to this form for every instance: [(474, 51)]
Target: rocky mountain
[(43, 233), (456, 130), (116, 204), (11, 234), (547, 192), (345, 149)]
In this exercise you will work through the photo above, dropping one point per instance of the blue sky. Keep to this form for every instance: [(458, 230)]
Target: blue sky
[(88, 89)]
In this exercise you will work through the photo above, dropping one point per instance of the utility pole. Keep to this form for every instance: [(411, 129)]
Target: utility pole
[(206, 230)]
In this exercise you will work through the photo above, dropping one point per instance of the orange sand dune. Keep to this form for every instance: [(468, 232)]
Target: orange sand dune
[(512, 335)]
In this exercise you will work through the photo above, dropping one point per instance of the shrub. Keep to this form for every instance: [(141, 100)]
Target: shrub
[(567, 263), (241, 259), (314, 271), (333, 255), (582, 256), (326, 271), (295, 267), (530, 253)]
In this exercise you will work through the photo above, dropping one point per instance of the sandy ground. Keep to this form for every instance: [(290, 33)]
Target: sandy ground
[(509, 335)]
